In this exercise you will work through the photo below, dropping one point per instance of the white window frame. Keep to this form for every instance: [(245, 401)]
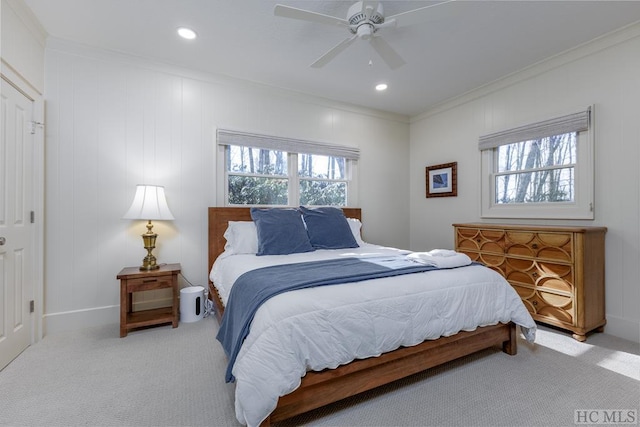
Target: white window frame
[(582, 206), (293, 147)]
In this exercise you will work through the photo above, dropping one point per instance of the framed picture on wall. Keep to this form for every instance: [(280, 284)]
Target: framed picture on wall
[(442, 180)]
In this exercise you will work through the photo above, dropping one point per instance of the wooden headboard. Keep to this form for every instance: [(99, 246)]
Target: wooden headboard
[(218, 222), (219, 219)]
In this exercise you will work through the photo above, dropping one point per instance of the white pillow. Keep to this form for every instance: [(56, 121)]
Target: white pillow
[(356, 225), (242, 238)]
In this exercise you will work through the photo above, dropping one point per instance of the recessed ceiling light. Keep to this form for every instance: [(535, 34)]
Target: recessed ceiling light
[(187, 33), (380, 87)]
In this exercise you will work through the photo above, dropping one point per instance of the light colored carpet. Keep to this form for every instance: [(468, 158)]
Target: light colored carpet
[(174, 377)]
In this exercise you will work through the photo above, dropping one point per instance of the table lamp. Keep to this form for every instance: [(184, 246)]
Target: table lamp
[(149, 204)]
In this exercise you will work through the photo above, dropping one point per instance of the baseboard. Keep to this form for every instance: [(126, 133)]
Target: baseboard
[(98, 316), (54, 323), (623, 328)]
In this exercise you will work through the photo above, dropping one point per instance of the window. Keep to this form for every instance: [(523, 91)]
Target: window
[(544, 170), (263, 170), (322, 180), (536, 171), (256, 176)]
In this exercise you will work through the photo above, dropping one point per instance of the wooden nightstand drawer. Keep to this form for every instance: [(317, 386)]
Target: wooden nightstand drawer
[(148, 284)]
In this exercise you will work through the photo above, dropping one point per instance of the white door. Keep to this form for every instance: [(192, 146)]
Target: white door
[(16, 230)]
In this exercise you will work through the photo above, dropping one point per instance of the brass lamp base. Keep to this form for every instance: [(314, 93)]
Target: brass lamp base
[(149, 239)]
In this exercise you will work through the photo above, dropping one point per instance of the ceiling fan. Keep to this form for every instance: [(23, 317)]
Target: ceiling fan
[(364, 20)]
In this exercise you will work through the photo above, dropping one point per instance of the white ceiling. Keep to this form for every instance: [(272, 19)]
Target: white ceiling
[(478, 42)]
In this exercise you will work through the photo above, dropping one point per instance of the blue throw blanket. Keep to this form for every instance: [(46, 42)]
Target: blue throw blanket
[(255, 287)]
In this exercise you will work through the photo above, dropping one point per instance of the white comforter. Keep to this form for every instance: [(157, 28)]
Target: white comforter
[(327, 326)]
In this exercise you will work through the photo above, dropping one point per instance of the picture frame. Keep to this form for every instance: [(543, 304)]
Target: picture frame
[(442, 180)]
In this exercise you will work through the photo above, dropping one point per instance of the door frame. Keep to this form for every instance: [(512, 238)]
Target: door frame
[(9, 75)]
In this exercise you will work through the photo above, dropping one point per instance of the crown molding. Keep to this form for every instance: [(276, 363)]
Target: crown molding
[(592, 47)]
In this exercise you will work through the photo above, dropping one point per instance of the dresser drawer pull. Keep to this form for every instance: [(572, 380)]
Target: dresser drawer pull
[(534, 246), (535, 303), (534, 274), (149, 280)]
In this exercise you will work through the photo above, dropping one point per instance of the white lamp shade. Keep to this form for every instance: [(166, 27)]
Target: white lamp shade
[(149, 203)]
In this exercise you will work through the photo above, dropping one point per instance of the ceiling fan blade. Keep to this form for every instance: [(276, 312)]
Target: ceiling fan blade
[(333, 52), (434, 12), (307, 15), (386, 52)]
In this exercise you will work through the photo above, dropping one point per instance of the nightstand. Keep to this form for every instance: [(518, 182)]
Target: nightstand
[(132, 279)]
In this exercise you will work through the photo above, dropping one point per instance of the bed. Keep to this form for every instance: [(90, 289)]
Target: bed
[(322, 386)]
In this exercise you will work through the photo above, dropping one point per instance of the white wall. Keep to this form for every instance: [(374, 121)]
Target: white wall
[(605, 73), (115, 121), (22, 47)]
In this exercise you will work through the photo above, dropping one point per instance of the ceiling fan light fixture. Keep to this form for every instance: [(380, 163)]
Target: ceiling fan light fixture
[(187, 33), (365, 31), (381, 87)]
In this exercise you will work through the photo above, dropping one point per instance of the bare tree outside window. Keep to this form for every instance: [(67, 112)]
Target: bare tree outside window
[(259, 176), (537, 171), (322, 180)]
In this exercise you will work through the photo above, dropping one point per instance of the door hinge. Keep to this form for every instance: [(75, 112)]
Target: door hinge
[(35, 124), (33, 217), (32, 306)]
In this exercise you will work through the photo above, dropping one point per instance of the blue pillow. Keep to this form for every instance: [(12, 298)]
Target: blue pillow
[(328, 228), (280, 231)]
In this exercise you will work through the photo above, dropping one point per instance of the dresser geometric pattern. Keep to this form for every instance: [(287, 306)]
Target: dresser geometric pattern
[(557, 271)]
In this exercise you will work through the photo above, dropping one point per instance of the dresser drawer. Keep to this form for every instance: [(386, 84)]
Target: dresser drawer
[(481, 240), (545, 245), (541, 274), (555, 308)]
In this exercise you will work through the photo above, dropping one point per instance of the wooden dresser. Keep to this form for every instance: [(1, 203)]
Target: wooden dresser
[(557, 271)]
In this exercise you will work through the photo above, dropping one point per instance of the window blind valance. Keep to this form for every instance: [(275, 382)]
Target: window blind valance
[(576, 122), (230, 137)]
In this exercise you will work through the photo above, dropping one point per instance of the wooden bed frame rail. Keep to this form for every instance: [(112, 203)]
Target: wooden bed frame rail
[(322, 388), (318, 389)]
